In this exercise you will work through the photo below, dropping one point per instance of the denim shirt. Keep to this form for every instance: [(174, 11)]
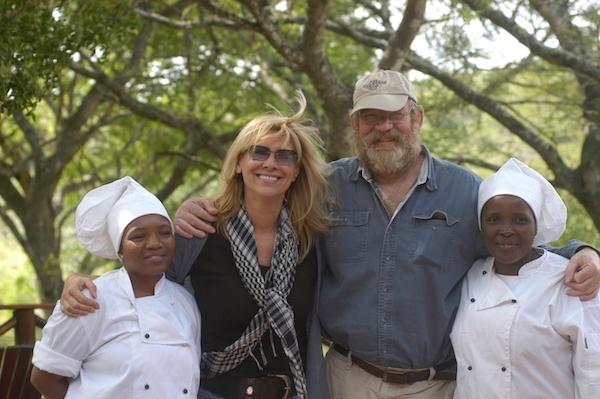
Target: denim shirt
[(391, 285)]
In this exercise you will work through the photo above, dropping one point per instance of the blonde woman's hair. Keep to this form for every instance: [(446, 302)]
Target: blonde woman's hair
[(305, 197)]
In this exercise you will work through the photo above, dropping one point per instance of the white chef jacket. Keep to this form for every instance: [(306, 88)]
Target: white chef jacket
[(130, 348), (531, 341)]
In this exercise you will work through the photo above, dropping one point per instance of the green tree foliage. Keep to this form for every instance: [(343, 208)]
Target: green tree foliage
[(157, 90), (40, 37)]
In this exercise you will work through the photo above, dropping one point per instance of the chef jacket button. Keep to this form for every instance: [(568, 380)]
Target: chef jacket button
[(503, 369), (514, 301), (185, 391), (472, 299), (146, 386), (470, 368), (249, 390), (147, 335), (484, 272)]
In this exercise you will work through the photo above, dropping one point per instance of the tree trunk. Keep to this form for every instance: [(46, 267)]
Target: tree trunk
[(587, 186), (43, 249)]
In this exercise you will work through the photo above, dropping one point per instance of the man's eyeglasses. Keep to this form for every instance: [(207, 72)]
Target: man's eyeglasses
[(282, 156), (374, 118)]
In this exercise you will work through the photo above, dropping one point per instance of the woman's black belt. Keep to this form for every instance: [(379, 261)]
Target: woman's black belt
[(270, 386), (399, 376)]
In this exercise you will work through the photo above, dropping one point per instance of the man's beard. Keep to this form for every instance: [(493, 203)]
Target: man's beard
[(388, 158)]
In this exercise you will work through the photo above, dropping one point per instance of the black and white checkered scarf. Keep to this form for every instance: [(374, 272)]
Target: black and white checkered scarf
[(270, 293)]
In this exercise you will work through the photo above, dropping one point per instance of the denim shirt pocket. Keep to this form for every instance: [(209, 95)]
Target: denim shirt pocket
[(435, 236), (347, 236)]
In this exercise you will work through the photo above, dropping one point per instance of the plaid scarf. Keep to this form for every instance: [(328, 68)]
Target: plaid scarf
[(269, 292)]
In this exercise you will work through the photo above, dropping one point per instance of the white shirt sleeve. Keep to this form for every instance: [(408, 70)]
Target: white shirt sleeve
[(583, 329), (65, 344)]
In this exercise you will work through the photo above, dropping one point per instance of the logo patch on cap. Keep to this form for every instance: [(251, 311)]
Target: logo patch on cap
[(374, 84)]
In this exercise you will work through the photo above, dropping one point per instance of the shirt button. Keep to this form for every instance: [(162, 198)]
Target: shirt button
[(484, 272), (146, 386), (388, 258), (472, 299), (503, 369), (147, 335), (185, 391), (249, 390), (514, 301), (469, 368)]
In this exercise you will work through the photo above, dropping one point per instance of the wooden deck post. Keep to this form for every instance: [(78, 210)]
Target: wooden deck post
[(24, 321), (25, 326)]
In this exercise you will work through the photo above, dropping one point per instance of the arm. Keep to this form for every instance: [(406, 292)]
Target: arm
[(59, 356), (585, 336), (186, 252), (582, 274), (194, 218), (51, 386), (72, 302)]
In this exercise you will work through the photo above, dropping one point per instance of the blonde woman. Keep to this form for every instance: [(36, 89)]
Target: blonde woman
[(255, 280)]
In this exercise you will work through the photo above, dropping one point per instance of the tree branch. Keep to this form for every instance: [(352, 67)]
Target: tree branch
[(190, 126), (462, 160), (71, 137), (383, 11), (269, 31), (13, 228), (559, 20), (185, 25), (313, 43), (32, 135), (366, 37), (552, 55), (236, 20), (12, 197), (399, 44), (493, 108)]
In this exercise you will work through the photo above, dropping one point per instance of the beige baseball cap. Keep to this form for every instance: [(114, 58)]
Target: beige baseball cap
[(384, 89)]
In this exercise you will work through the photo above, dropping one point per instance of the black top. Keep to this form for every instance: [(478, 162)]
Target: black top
[(227, 307)]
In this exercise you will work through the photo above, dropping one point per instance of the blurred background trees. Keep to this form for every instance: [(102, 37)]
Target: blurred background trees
[(91, 91)]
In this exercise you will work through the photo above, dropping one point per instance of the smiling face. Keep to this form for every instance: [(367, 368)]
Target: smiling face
[(388, 141), (268, 179), (147, 246), (508, 226)]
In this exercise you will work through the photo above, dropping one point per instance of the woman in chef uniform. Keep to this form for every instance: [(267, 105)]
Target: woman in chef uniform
[(517, 334), (144, 341)]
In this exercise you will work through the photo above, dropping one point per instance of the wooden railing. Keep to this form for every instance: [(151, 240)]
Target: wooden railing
[(24, 321), (15, 361)]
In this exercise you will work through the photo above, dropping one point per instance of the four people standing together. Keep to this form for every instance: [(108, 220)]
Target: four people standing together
[(384, 274)]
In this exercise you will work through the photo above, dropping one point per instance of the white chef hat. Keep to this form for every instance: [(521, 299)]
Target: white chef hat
[(518, 179), (104, 213)]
